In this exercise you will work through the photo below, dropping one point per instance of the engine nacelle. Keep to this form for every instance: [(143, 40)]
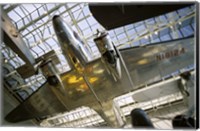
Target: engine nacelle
[(109, 54), (105, 47)]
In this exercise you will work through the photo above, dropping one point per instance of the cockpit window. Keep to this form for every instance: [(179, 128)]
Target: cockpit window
[(77, 37)]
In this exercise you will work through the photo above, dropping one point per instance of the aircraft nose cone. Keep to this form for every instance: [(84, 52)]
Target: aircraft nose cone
[(55, 17)]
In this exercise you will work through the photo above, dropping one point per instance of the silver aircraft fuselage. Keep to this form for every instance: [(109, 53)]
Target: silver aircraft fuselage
[(79, 59), (72, 45)]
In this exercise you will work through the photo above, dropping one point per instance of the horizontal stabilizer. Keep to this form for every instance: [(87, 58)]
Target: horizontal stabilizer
[(43, 102)]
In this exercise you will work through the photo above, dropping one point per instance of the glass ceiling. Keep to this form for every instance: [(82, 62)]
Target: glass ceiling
[(33, 22)]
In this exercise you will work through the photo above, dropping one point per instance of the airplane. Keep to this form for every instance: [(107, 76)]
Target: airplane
[(79, 53), (90, 82)]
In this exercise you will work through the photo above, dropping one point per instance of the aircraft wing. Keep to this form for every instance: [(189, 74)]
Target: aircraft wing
[(152, 62), (42, 102), (145, 65)]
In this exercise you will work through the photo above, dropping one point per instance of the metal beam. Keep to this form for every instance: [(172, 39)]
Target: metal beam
[(158, 29), (47, 21), (12, 38), (11, 8), (44, 39), (40, 17)]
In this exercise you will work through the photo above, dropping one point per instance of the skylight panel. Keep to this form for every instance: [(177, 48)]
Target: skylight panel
[(132, 33), (6, 6), (141, 30), (83, 25), (91, 21), (19, 11), (187, 31), (86, 10), (95, 27), (50, 6), (128, 27), (119, 30), (34, 14), (29, 7), (87, 32), (76, 8), (122, 37), (37, 5), (172, 16), (14, 16), (184, 11)]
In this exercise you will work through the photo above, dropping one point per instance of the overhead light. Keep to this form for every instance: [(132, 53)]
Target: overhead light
[(5, 60), (146, 37)]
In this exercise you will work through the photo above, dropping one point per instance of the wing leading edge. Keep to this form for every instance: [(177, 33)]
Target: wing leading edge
[(143, 64)]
